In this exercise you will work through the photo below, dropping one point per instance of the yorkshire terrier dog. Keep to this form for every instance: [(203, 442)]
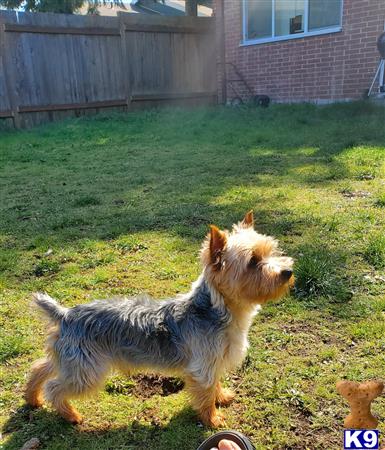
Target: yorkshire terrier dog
[(198, 336)]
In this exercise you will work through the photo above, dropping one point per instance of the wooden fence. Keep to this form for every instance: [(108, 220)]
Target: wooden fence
[(53, 65)]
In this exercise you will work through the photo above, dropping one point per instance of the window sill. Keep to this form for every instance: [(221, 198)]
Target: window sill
[(291, 36)]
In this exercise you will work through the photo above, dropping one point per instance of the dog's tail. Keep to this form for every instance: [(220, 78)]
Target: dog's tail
[(51, 308)]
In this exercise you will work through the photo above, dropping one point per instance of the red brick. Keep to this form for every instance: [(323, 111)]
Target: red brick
[(333, 66)]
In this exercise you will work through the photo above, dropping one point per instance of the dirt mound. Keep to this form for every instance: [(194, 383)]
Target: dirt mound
[(149, 384)]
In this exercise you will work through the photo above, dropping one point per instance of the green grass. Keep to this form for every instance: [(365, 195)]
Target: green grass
[(381, 201), (318, 274), (123, 202), (375, 251)]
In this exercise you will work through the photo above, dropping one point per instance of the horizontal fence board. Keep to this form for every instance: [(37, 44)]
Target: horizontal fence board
[(61, 30), (6, 114), (66, 107), (165, 29), (171, 96), (176, 21), (60, 20)]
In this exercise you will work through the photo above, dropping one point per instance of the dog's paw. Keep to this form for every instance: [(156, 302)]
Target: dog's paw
[(225, 397), (73, 417), (217, 420), (34, 401), (214, 420)]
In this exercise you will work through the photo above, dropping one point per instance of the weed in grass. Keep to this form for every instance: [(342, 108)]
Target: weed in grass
[(333, 224), (129, 244), (380, 202), (317, 275), (86, 200), (167, 274), (118, 385), (375, 251), (46, 267), (100, 276), (295, 399), (91, 263)]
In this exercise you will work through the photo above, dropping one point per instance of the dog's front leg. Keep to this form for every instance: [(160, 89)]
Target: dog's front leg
[(223, 396), (203, 399)]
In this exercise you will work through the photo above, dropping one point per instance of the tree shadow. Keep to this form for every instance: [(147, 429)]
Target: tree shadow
[(183, 431), (120, 174), (175, 171)]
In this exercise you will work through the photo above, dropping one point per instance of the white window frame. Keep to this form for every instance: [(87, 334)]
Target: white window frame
[(306, 33)]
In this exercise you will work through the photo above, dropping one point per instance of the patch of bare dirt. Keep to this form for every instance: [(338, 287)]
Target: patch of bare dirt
[(149, 384), (355, 194), (327, 336)]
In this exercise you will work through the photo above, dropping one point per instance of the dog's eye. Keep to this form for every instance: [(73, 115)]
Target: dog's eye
[(253, 261)]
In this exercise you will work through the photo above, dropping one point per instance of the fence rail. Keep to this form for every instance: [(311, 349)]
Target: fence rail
[(54, 65)]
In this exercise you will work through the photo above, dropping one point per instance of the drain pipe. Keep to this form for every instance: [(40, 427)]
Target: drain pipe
[(222, 50)]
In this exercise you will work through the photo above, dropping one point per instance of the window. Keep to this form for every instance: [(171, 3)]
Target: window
[(273, 20), (324, 14)]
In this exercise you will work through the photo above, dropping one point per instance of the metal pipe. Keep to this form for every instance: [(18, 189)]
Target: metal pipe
[(222, 50)]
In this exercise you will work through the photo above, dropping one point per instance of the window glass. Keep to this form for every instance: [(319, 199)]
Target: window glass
[(289, 17), (259, 19), (324, 13)]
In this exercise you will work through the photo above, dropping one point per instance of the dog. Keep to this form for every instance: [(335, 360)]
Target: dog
[(198, 336)]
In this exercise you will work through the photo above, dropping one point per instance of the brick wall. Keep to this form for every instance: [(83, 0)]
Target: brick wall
[(324, 68)]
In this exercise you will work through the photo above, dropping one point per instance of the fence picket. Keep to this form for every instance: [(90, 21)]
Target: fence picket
[(55, 65)]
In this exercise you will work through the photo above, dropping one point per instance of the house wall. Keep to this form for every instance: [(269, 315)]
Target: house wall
[(324, 68)]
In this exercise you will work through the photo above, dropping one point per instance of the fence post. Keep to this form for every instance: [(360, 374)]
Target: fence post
[(191, 8), (10, 81), (125, 63)]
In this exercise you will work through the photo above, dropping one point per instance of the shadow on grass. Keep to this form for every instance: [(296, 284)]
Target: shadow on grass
[(175, 171), (98, 179), (172, 170), (182, 432)]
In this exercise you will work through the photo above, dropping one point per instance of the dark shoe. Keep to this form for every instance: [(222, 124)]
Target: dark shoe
[(233, 436)]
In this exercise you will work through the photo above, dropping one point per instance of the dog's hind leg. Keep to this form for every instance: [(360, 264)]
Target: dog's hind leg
[(41, 371), (58, 393), (78, 379)]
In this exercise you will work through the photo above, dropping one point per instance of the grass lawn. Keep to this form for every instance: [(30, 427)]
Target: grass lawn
[(119, 204)]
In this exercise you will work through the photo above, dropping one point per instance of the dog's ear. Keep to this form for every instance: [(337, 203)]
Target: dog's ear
[(248, 220), (218, 240)]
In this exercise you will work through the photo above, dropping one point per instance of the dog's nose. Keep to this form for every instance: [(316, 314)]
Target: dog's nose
[(286, 274)]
